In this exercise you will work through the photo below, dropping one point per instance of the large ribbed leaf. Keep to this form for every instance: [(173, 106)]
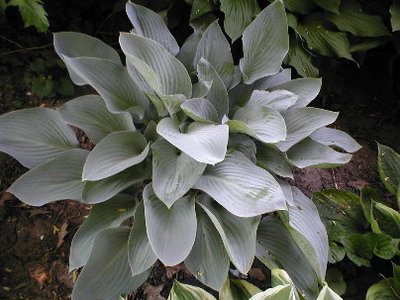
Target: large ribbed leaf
[(58, 179), (214, 48), (35, 135), (302, 7), (75, 44), (201, 110), (238, 289), (300, 58), (328, 294), (104, 215), (280, 292), (140, 255), (106, 275), (279, 100), (308, 153), (244, 144), (276, 240), (104, 189), (242, 187), (115, 153), (217, 94), (265, 43), (164, 225), (149, 24), (206, 143), (273, 161), (305, 220), (208, 260), (262, 123), (332, 5), (90, 114), (238, 14), (389, 168), (172, 76), (182, 291), (302, 121), (352, 19), (112, 81), (238, 234), (334, 137), (306, 88), (174, 173), (188, 51)]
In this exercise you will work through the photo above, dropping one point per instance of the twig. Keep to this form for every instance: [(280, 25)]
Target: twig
[(10, 41), (26, 49)]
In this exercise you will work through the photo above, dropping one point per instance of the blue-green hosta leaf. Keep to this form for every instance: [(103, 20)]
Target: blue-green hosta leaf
[(107, 275), (165, 224), (306, 88), (103, 215), (115, 153), (328, 294), (277, 241), (90, 114), (34, 136), (172, 76), (389, 167), (386, 289), (151, 25), (112, 81), (244, 144), (217, 94), (313, 239), (58, 179), (265, 43), (242, 187), (165, 104), (273, 161), (240, 94), (208, 260), (395, 15), (188, 51), (173, 173), (280, 292), (331, 5), (237, 289), (238, 234), (201, 110), (181, 291), (140, 255), (352, 19), (104, 189), (334, 137), (206, 143), (238, 14), (279, 100), (308, 153), (214, 48), (76, 44), (262, 123), (300, 58), (326, 42), (301, 122)]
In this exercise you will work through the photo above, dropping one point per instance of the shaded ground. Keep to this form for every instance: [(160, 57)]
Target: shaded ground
[(34, 242)]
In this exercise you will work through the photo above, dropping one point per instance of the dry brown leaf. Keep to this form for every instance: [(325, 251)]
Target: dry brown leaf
[(40, 276), (257, 273), (62, 233), (170, 271), (359, 184)]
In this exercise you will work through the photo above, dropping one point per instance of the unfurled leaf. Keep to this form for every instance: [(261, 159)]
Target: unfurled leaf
[(116, 152), (333, 137), (238, 14), (182, 291), (242, 187), (265, 43), (389, 168), (164, 224), (75, 44), (34, 136), (238, 234), (151, 25), (107, 275), (103, 215), (174, 173), (273, 161), (90, 114), (201, 110), (208, 261), (206, 143), (45, 183), (33, 13)]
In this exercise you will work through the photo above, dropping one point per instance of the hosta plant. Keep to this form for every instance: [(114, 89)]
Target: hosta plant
[(189, 148)]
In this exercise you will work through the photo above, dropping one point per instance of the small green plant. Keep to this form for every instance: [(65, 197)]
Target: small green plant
[(363, 227), (189, 147)]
